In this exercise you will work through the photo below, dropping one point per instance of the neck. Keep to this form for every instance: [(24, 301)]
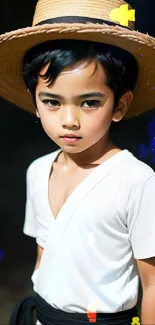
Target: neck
[(91, 156)]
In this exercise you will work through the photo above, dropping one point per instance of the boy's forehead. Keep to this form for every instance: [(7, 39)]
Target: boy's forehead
[(85, 68), (75, 81)]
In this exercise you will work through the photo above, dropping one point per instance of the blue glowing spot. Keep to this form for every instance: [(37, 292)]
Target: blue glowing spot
[(143, 151), (152, 143), (151, 128), (153, 88), (1, 254)]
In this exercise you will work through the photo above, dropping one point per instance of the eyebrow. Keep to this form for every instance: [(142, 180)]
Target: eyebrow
[(83, 96)]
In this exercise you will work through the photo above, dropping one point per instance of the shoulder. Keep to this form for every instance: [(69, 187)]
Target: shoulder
[(135, 184), (135, 175), (39, 165), (136, 170)]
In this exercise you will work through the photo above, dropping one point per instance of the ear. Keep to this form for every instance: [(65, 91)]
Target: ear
[(37, 113), (123, 106)]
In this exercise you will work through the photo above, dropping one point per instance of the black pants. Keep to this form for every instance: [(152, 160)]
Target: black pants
[(47, 315)]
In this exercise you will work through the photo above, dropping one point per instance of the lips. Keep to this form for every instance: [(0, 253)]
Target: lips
[(70, 136), (70, 139)]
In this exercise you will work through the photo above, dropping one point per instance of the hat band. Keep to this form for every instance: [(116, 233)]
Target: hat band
[(77, 19)]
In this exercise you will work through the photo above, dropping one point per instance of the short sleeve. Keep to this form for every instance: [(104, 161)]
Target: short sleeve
[(30, 224), (141, 220)]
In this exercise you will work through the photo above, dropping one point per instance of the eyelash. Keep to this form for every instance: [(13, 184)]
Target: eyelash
[(54, 102)]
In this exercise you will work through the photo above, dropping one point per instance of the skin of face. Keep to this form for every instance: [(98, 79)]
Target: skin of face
[(89, 118)]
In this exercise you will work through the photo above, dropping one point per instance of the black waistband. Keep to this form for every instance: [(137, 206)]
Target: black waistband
[(47, 315)]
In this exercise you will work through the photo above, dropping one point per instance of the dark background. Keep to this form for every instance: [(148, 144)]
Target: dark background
[(22, 140)]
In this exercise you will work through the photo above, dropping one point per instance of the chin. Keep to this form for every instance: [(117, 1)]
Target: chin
[(72, 149)]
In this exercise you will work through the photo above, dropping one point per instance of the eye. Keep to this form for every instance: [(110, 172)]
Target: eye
[(50, 102), (92, 103)]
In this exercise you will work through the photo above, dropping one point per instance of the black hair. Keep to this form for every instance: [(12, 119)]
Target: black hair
[(119, 65)]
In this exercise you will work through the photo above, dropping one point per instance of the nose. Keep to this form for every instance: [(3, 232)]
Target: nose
[(70, 117)]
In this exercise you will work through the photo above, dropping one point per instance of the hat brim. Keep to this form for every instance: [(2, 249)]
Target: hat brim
[(15, 44)]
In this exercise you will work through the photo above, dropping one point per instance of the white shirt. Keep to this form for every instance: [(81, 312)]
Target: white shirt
[(90, 248)]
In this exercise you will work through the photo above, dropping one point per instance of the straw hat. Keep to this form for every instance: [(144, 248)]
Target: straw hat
[(107, 21)]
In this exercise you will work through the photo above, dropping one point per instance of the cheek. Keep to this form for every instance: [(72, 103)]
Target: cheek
[(50, 126), (43, 113), (99, 124), (47, 120), (101, 119), (95, 128)]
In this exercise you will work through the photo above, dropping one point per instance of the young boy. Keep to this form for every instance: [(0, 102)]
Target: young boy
[(90, 205)]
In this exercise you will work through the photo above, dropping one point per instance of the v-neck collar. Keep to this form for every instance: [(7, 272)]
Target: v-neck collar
[(84, 187)]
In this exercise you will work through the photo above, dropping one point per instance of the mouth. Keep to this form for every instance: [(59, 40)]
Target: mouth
[(71, 135), (69, 139)]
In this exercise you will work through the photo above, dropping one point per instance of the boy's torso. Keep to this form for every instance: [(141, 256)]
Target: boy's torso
[(62, 182), (93, 226)]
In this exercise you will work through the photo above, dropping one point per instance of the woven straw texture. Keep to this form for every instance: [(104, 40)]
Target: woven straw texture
[(101, 9)]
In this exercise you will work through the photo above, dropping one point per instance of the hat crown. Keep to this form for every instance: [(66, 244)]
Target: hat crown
[(115, 11)]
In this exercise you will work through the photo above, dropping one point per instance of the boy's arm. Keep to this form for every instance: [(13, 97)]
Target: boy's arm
[(39, 255), (141, 228), (146, 269)]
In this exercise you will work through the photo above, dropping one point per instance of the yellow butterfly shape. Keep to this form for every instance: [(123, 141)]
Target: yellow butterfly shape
[(135, 321), (122, 15)]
